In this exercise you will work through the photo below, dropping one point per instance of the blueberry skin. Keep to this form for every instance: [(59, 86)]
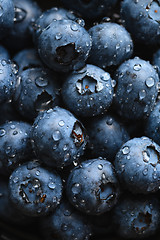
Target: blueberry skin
[(142, 20), (59, 138), (64, 45), (66, 223), (50, 15), (156, 60), (34, 190), (6, 17), (27, 58), (4, 54), (15, 143), (91, 9), (92, 187), (137, 165), (136, 89), (7, 80), (152, 126), (106, 136), (88, 92), (37, 90), (111, 45), (26, 12), (136, 217), (7, 210)]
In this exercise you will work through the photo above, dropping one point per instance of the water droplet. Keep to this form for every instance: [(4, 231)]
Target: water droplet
[(20, 14), (109, 121), (41, 82), (66, 157), (145, 171), (129, 88), (56, 135), (76, 188), (142, 94), (117, 46), (125, 150), (67, 213), (1, 71), (64, 227), (15, 132), (61, 123), (2, 132), (128, 48), (137, 67), (150, 82), (1, 11), (51, 185), (58, 36), (100, 166), (74, 27), (15, 180), (65, 147)]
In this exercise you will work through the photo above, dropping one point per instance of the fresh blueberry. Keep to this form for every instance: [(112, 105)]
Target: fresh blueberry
[(27, 58), (59, 138), (152, 126), (8, 213), (92, 187), (88, 92), (136, 89), (4, 54), (37, 90), (91, 9), (156, 60), (25, 12), (34, 190), (15, 144), (137, 165), (106, 136), (111, 44), (50, 15), (64, 45), (7, 80), (142, 19), (66, 223), (136, 217), (6, 17)]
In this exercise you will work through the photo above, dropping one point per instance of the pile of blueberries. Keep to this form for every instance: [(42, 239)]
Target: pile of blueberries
[(79, 119)]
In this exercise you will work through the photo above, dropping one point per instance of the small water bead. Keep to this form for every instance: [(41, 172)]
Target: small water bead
[(15, 180), (1, 11), (66, 157), (51, 185), (58, 36), (137, 67), (150, 82), (109, 121), (76, 188), (64, 227), (12, 126), (65, 148), (1, 71), (128, 48), (2, 132), (20, 14), (145, 171), (129, 88), (113, 82), (61, 123), (118, 46), (67, 213), (125, 150), (41, 82), (74, 27), (142, 94), (15, 132), (100, 166), (56, 135)]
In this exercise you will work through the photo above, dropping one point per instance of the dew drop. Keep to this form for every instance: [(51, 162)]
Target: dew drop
[(51, 185), (61, 123), (142, 94), (150, 82), (2, 132), (56, 135), (41, 82), (137, 67), (76, 188), (100, 166), (125, 150)]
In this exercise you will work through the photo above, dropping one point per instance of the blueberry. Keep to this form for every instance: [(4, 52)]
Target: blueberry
[(92, 187), (91, 9), (15, 144), (106, 136), (111, 44), (7, 210), (88, 92), (64, 45), (59, 138), (152, 126), (50, 15), (37, 90), (156, 60), (4, 54), (136, 89), (34, 190), (142, 19), (25, 12), (27, 58), (137, 165), (66, 223), (136, 217), (6, 17), (7, 80)]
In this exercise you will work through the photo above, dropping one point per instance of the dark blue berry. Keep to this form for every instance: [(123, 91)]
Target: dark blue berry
[(88, 92), (4, 54), (34, 190), (59, 138), (92, 187), (111, 44), (64, 45), (137, 165)]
